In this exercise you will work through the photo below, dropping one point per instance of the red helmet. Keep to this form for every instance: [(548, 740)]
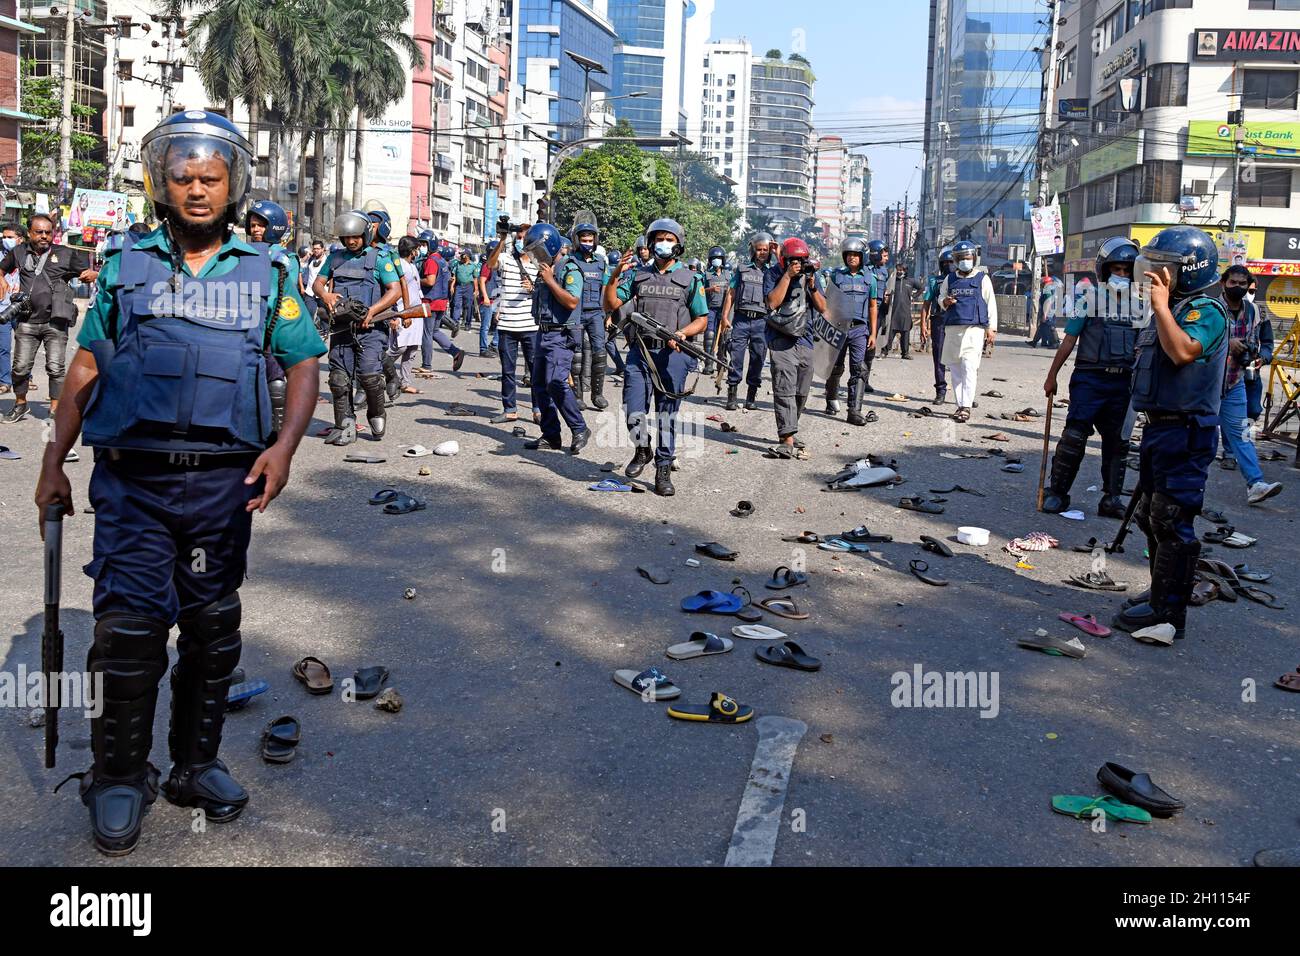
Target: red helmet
[(794, 248)]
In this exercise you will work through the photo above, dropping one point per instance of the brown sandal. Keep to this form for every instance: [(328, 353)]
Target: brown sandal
[(783, 607), (314, 674), (1290, 681)]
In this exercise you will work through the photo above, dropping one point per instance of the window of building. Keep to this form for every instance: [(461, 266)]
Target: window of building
[(1167, 84), (1105, 113), (1068, 67), (1112, 28), (1128, 186), (1153, 6), (1270, 89), (1271, 189), (1161, 181), (1274, 5), (124, 68)]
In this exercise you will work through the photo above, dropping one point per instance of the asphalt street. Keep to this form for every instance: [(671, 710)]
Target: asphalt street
[(515, 746)]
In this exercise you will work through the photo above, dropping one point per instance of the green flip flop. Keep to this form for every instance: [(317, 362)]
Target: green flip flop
[(1114, 808)]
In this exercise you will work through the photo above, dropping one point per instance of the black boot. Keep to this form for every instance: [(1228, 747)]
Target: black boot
[(344, 431), (580, 439), (278, 389), (664, 481), (1172, 576), (582, 375), (708, 347), (209, 649), (598, 382), (1065, 466), (642, 458), (375, 414), (866, 378), (833, 393), (533, 444), (1113, 470), (130, 653), (732, 404), (855, 403), (751, 398)]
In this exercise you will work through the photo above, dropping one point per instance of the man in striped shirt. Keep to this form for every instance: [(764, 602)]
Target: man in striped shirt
[(516, 326)]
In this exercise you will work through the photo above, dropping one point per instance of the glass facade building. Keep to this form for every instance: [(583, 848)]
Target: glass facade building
[(982, 116), (580, 31), (781, 147), (643, 25)]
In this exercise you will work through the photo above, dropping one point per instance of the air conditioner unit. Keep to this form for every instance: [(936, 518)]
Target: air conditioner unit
[(1200, 187), (291, 188)]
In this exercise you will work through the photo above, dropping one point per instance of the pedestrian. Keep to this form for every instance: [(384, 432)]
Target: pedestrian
[(488, 287), (672, 295), (406, 333), (357, 287), (1051, 302), (932, 325), (970, 321), (1178, 382), (309, 273), (900, 294), (857, 287), (591, 329), (1101, 385), (516, 324), (1244, 355), (180, 468), (792, 293), (13, 233), (44, 270), (1264, 358), (746, 299), (557, 299)]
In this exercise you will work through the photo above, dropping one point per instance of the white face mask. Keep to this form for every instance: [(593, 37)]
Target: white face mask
[(9, 242), (1250, 296), (965, 265), (1119, 282), (717, 263), (664, 250)]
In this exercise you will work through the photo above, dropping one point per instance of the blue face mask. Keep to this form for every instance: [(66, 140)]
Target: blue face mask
[(587, 245), (9, 242), (519, 245), (664, 250)]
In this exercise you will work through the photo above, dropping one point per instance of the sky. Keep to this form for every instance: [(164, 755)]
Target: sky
[(869, 58)]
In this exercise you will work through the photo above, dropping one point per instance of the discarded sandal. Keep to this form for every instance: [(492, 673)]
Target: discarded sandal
[(384, 497), (921, 568), (784, 581), (720, 709), (743, 509), (1162, 634), (948, 491), (280, 739), (701, 644), (784, 606), (1246, 573), (314, 675), (1085, 809), (920, 504), (788, 654), (1097, 581), (652, 574), (716, 551), (712, 602), (861, 535), (1290, 681), (1088, 624), (1056, 646), (757, 632), (404, 505), (806, 537), (652, 683), (367, 682), (935, 546)]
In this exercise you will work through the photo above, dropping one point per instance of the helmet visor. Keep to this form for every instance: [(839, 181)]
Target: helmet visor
[(537, 249), (171, 164)]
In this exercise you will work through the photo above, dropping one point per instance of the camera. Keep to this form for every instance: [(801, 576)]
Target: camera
[(504, 226), (18, 310)]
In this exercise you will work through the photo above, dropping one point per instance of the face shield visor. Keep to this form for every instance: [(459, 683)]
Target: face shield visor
[(170, 161)]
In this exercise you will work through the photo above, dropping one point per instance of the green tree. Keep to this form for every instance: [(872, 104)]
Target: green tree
[(773, 55), (43, 97)]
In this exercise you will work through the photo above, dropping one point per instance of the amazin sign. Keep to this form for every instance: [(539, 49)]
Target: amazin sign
[(1233, 44)]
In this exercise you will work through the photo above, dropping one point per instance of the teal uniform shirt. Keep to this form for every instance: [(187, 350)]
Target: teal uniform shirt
[(465, 273), (697, 306), (1207, 324), (387, 269), (293, 340)]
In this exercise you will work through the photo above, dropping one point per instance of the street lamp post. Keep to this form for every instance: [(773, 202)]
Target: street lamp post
[(588, 67)]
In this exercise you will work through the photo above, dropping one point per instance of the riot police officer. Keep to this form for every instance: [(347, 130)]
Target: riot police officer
[(371, 284), (180, 423), (792, 295), (1101, 385), (557, 309), (747, 301), (643, 256), (858, 288), (463, 305), (932, 324), (591, 328), (717, 279), (266, 226), (673, 295), (1178, 382)]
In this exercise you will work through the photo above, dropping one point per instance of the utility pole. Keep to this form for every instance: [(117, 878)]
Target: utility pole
[(69, 79), (1044, 146), (1237, 118)]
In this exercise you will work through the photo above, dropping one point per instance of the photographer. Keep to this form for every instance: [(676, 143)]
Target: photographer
[(13, 234), (792, 293), (516, 325), (44, 270)]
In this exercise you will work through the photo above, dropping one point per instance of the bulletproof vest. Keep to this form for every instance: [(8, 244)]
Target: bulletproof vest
[(593, 282), (492, 283), (882, 276), (714, 296), (185, 371), (355, 277), (548, 311), (441, 287), (1161, 386), (971, 309), (1107, 341), (857, 287), (665, 297), (749, 290)]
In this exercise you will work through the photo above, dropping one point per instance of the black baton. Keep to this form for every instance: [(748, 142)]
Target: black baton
[(51, 636)]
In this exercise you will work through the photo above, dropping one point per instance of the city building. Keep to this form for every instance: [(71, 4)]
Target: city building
[(12, 115), (699, 28), (724, 111), (545, 32), (829, 187), (857, 196), (1143, 136), (983, 100), (650, 59), (780, 183)]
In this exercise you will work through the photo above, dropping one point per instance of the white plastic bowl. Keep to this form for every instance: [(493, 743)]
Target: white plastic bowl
[(977, 537)]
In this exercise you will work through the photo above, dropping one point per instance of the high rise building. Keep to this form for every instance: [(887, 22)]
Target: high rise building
[(699, 27), (780, 181), (857, 193), (650, 58), (830, 186), (545, 31), (982, 114), (11, 100), (724, 110)]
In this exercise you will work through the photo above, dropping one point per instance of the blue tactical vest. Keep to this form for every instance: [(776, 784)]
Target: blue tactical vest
[(547, 310), (1107, 342), (492, 283), (593, 283), (355, 277), (721, 278), (882, 276), (749, 290), (441, 287), (665, 297), (1161, 386), (857, 287), (186, 371), (971, 309)]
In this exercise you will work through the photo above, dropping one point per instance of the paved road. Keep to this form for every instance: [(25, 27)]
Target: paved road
[(527, 600)]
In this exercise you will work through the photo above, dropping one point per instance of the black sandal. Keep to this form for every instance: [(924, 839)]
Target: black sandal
[(919, 568)]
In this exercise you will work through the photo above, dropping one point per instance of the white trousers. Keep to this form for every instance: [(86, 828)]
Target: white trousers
[(963, 347)]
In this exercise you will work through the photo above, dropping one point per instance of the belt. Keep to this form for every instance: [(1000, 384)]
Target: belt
[(1170, 418), (1109, 369), (751, 313), (554, 328), (176, 460)]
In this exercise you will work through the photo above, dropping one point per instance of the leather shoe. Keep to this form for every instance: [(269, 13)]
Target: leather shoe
[(1138, 789), (533, 444), (580, 440)]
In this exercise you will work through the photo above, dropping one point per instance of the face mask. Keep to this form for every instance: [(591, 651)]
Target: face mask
[(664, 250), (716, 263), (587, 246), (1234, 293), (965, 265), (519, 245), (10, 242), (1250, 297), (1119, 282)]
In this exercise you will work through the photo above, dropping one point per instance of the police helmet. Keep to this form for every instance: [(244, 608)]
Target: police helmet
[(277, 220), (543, 242), (852, 245), (966, 248), (427, 235), (876, 252), (1190, 251), (353, 223), (717, 252), (1114, 251), (640, 244), (667, 225), (761, 237), (582, 227), (383, 225), (196, 135)]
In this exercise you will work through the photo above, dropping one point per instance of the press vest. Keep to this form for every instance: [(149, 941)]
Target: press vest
[(1107, 341), (970, 309), (665, 297), (1161, 386), (355, 277), (714, 297), (186, 371), (442, 283), (593, 282), (749, 290), (857, 287), (548, 311)]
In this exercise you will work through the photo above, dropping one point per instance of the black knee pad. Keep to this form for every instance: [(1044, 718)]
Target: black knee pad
[(1142, 514), (213, 635), (217, 619), (338, 381), (1165, 514), (130, 650), (1074, 440)]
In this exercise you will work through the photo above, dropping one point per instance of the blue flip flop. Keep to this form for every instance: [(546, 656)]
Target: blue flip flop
[(238, 696), (844, 547), (712, 602), (384, 497), (609, 484)]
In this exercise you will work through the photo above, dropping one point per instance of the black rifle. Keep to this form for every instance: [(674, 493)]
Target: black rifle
[(51, 636), (649, 328), (1117, 546)]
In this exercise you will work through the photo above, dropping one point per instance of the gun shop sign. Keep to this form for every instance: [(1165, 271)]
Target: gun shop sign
[(1235, 44)]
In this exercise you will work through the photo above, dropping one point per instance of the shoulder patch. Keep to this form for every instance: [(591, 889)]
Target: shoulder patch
[(388, 266), (1193, 316), (289, 309)]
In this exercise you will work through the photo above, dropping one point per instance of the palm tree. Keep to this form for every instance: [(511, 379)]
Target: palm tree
[(236, 54)]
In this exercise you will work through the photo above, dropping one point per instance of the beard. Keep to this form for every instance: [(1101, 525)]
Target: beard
[(197, 231)]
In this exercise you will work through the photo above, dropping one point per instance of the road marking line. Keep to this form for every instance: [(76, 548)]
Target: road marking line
[(753, 841)]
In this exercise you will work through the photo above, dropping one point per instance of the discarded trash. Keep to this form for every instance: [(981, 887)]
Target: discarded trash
[(390, 700), (409, 594), (1073, 515)]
